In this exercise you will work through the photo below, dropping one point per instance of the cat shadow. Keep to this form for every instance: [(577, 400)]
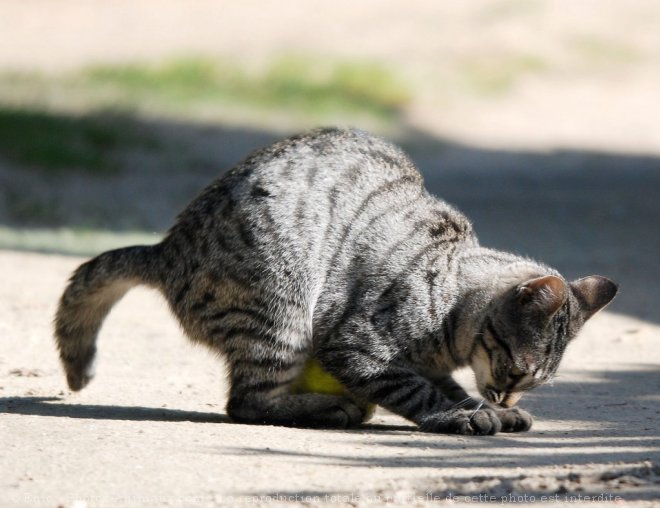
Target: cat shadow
[(52, 406), (608, 419), (605, 399)]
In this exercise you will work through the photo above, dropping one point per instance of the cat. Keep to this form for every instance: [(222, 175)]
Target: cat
[(327, 246)]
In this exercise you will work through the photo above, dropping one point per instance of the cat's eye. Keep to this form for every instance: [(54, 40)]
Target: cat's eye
[(516, 372)]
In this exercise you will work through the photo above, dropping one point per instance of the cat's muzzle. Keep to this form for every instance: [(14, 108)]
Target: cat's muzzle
[(511, 399), (504, 399)]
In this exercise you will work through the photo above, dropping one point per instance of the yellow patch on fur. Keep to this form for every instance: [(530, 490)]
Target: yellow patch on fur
[(315, 379)]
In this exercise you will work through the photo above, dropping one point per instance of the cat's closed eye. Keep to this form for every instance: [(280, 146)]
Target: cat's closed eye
[(515, 373)]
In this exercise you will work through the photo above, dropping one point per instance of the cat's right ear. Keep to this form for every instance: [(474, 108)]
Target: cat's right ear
[(593, 293)]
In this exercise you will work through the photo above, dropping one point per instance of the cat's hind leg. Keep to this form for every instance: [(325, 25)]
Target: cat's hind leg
[(265, 337), (261, 392), (311, 410), (264, 364)]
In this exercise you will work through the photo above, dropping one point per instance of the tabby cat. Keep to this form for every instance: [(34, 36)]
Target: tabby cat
[(327, 246)]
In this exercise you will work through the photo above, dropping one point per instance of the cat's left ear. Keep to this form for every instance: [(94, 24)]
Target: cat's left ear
[(547, 294), (593, 293)]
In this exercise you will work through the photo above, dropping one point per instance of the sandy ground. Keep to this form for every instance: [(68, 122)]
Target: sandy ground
[(151, 429), (564, 168)]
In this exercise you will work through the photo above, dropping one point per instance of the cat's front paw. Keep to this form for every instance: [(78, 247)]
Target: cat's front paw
[(515, 419), (467, 422)]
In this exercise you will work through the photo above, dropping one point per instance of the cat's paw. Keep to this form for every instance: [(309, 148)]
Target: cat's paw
[(347, 414), (467, 422), (329, 411), (515, 419)]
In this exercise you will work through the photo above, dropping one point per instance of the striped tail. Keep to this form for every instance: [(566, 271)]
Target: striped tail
[(92, 291)]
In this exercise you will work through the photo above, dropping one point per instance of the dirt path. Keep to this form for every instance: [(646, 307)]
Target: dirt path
[(151, 430), (560, 167)]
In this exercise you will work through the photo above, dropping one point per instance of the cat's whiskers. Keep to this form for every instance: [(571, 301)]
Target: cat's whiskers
[(462, 403), (478, 408)]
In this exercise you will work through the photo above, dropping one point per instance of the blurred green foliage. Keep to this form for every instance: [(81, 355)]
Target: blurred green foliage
[(603, 51), (497, 74), (55, 142), (41, 124), (313, 86), (77, 241)]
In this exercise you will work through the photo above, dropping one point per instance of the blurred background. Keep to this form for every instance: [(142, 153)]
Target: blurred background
[(539, 119)]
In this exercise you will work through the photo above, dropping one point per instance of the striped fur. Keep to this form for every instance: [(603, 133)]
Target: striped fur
[(328, 245)]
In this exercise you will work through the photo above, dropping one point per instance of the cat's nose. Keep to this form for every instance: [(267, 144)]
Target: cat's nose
[(493, 395)]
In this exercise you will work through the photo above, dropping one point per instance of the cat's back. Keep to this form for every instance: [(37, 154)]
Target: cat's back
[(328, 209), (314, 162), (308, 197), (309, 188), (323, 162), (304, 183), (340, 148)]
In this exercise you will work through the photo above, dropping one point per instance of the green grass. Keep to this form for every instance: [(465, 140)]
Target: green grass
[(506, 9), (57, 142), (598, 50), (312, 86), (72, 241), (41, 124), (59, 125), (498, 74)]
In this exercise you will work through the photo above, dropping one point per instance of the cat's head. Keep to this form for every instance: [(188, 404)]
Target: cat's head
[(526, 330)]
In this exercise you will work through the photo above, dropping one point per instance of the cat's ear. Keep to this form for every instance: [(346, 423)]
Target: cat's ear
[(593, 293), (546, 293)]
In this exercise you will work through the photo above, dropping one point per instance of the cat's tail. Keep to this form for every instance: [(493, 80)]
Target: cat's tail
[(92, 291)]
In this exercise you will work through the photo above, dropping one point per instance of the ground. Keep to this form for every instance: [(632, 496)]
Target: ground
[(538, 119), (151, 429)]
